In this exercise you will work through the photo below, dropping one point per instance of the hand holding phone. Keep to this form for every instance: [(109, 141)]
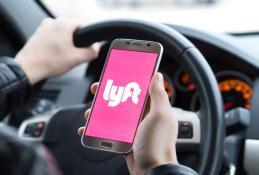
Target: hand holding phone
[(153, 146), (120, 100)]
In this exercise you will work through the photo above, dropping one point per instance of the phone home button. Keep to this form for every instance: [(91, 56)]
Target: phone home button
[(106, 144)]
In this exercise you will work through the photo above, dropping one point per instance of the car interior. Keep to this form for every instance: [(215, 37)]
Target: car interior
[(213, 76)]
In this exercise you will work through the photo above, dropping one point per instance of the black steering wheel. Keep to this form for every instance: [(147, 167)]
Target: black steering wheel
[(206, 146)]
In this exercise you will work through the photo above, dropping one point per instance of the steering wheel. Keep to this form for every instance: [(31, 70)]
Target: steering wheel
[(208, 129)]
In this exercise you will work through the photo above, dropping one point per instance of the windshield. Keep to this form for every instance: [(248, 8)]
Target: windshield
[(235, 16)]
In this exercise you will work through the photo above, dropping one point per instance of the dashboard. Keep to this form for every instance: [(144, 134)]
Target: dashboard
[(236, 87)]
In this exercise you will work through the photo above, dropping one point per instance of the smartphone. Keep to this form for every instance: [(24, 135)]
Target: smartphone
[(119, 103)]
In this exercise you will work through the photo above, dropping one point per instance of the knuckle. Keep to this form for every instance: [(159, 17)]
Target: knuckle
[(158, 113), (161, 93)]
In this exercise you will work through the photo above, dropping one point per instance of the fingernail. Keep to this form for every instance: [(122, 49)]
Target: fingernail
[(159, 77)]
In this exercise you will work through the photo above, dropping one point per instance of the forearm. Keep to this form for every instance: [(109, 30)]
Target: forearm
[(170, 169), (14, 85)]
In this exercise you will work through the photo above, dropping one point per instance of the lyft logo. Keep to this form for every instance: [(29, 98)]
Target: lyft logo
[(117, 94)]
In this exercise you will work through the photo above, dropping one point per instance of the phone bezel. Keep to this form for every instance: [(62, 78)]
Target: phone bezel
[(122, 44)]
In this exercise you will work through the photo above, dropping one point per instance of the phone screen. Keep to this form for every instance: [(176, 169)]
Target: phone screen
[(121, 96)]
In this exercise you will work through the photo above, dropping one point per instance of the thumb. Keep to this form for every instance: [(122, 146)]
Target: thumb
[(158, 95), (89, 53)]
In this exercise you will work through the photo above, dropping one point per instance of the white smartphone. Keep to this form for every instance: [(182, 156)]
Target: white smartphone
[(120, 100)]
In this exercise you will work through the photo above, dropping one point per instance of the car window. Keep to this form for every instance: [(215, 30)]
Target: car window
[(210, 15)]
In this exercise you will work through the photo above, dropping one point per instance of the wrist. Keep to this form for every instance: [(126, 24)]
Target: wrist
[(32, 71), (167, 159)]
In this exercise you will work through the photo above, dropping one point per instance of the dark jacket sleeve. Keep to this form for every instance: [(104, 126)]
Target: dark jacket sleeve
[(14, 85), (170, 169), (24, 158)]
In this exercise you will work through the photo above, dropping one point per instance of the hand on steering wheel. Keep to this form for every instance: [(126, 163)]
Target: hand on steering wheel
[(51, 52), (153, 146)]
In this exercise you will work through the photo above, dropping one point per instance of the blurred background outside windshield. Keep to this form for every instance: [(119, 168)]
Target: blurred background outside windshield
[(236, 16)]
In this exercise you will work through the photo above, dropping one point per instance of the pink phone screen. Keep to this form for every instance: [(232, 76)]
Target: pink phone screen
[(121, 96)]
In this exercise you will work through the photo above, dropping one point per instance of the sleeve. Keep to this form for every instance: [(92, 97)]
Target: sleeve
[(14, 85), (170, 169), (18, 157)]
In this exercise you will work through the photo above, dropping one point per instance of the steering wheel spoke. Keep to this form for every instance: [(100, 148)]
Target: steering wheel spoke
[(189, 130), (34, 128)]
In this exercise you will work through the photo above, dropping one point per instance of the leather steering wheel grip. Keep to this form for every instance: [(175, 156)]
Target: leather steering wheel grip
[(189, 57)]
